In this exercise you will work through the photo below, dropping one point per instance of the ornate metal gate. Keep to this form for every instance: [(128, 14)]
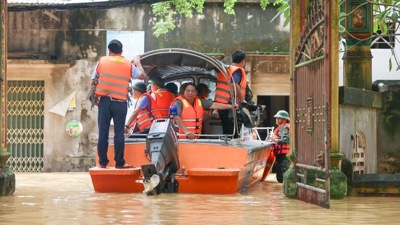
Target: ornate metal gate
[(25, 107), (312, 101)]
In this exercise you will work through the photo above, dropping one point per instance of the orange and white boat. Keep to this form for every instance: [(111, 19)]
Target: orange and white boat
[(213, 164)]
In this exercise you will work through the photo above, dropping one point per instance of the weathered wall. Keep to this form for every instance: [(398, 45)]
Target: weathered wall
[(77, 38), (73, 34), (355, 120), (377, 116), (269, 74), (389, 131), (62, 152), (359, 110)]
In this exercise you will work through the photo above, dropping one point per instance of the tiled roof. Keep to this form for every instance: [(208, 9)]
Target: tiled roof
[(46, 2), (24, 5)]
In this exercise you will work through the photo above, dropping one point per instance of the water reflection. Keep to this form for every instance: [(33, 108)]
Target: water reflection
[(68, 198)]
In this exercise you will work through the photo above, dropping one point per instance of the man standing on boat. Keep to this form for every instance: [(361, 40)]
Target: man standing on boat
[(190, 110), (143, 115), (111, 79), (223, 94), (281, 139)]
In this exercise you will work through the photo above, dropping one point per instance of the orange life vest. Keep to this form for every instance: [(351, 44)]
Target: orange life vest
[(192, 115), (145, 117), (281, 148), (163, 99), (115, 73), (222, 93), (243, 81)]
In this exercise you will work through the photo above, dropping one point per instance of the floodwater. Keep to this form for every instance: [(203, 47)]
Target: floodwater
[(69, 198)]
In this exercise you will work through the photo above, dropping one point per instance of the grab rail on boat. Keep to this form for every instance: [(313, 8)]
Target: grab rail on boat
[(216, 138), (270, 130)]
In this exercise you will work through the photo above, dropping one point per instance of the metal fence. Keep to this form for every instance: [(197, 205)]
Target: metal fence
[(25, 123)]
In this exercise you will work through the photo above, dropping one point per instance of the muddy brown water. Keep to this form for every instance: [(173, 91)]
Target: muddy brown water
[(69, 198)]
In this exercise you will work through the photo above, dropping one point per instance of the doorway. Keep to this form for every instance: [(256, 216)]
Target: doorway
[(273, 105)]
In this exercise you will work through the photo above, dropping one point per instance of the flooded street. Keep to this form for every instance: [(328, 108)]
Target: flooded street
[(69, 198)]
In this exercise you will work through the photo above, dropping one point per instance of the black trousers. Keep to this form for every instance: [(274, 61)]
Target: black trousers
[(227, 122), (282, 164), (116, 110)]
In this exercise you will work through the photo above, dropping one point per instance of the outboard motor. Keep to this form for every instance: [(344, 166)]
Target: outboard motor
[(250, 114), (162, 147)]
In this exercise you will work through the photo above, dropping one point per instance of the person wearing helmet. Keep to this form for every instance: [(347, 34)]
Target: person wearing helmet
[(281, 139), (143, 115)]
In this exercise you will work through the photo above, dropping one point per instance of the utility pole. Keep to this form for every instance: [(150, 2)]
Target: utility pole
[(7, 176)]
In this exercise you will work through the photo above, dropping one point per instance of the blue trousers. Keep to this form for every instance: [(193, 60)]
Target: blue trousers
[(116, 110)]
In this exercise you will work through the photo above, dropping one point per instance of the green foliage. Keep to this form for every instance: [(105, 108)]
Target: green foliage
[(165, 17), (229, 7), (384, 11), (166, 12), (264, 4), (284, 9)]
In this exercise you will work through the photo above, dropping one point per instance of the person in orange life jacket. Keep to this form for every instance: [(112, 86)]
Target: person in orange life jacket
[(222, 93), (281, 139), (111, 79), (190, 110), (161, 96), (143, 115), (202, 92), (173, 88)]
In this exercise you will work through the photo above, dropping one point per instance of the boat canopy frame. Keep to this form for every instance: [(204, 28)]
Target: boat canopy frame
[(173, 63)]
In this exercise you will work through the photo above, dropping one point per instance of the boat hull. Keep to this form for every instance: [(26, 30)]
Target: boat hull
[(204, 168)]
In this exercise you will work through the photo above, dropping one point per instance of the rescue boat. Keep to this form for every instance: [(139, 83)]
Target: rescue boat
[(211, 164)]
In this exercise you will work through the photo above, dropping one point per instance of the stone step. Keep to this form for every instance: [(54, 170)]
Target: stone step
[(375, 185)]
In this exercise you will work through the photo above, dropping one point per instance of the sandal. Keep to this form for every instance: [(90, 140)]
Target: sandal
[(126, 166)]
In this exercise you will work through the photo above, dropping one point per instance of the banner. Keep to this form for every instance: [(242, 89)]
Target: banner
[(68, 103)]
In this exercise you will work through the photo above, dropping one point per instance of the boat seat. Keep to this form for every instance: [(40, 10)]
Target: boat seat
[(212, 126)]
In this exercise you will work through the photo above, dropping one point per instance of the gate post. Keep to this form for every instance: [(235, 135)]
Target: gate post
[(289, 178), (357, 60), (7, 176), (338, 182)]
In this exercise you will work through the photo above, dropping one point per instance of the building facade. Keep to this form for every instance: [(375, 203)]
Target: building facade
[(51, 56)]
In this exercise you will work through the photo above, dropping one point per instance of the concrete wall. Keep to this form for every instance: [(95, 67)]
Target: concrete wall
[(355, 120), (73, 34), (63, 50), (359, 111), (389, 131), (62, 152)]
